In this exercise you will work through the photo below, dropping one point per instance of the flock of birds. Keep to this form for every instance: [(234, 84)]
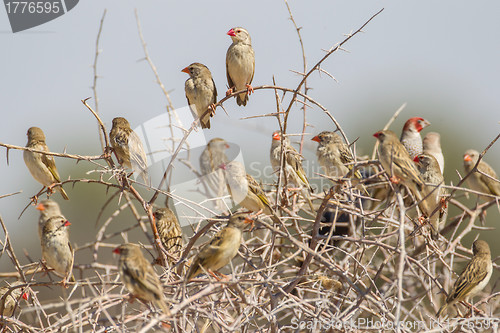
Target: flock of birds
[(410, 161)]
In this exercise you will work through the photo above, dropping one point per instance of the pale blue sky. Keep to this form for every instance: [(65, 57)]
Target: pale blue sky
[(441, 57)]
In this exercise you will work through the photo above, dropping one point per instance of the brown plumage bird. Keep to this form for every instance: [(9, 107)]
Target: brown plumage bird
[(56, 248), (473, 278), (221, 249), (128, 147), (246, 191), (200, 91), (139, 276), (477, 181), (169, 230), (8, 303), (48, 208), (240, 64), (431, 174), (212, 157), (432, 146), (398, 165), (42, 167)]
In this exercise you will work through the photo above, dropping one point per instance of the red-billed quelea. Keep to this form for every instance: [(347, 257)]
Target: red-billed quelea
[(139, 276), (433, 178), (201, 93), (432, 146), (240, 64), (477, 181), (128, 147), (410, 136), (56, 248), (400, 167), (42, 167), (473, 278)]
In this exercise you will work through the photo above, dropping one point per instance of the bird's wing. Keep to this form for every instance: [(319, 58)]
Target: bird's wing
[(50, 163), (493, 186), (255, 188), (215, 92), (137, 155), (229, 81), (472, 275)]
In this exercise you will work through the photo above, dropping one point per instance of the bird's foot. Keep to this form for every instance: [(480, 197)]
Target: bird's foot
[(212, 108), (394, 180), (443, 203), (249, 89), (221, 277), (229, 91)]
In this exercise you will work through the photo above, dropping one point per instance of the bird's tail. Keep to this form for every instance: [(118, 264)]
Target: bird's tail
[(242, 99), (440, 312), (63, 193)]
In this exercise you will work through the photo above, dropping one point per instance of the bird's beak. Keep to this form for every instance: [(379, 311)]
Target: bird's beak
[(227, 146), (66, 224), (186, 70), (25, 296), (222, 166), (416, 160), (40, 207), (425, 123), (316, 138), (467, 158), (276, 136), (231, 33), (376, 135), (116, 251)]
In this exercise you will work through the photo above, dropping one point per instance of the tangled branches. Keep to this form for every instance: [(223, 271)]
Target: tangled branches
[(354, 258)]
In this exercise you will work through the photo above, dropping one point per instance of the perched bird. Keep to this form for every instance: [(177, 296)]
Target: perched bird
[(42, 167), (293, 161), (48, 209), (429, 170), (473, 278), (56, 248), (8, 303), (240, 64), (245, 190), (169, 230), (211, 159), (410, 136), (200, 90), (334, 156), (128, 147), (477, 181), (221, 249), (139, 276), (432, 146), (399, 167)]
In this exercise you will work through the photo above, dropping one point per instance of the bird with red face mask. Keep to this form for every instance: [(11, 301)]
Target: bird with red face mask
[(410, 136), (240, 64)]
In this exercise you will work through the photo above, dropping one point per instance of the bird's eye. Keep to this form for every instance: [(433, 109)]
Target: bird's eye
[(238, 31)]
